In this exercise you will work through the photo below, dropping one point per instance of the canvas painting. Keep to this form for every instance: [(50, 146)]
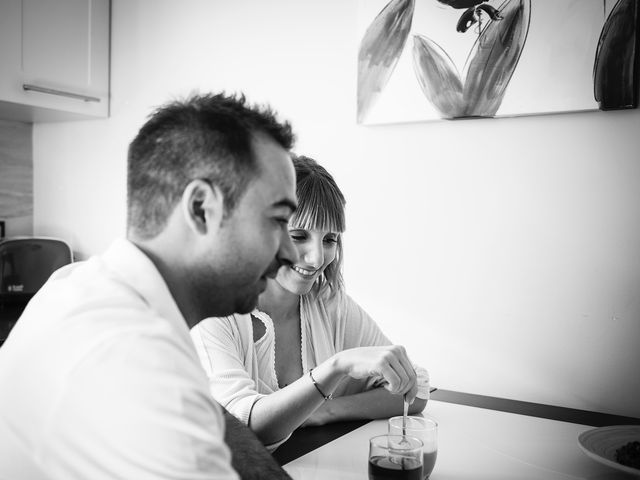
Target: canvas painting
[(448, 59)]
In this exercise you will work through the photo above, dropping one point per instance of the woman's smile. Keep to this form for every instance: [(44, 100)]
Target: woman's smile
[(303, 271), (317, 249)]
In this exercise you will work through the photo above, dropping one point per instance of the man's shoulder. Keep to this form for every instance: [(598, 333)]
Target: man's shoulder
[(88, 288), (85, 314)]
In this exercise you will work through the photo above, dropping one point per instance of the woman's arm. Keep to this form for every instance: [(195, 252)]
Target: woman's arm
[(368, 405), (276, 415)]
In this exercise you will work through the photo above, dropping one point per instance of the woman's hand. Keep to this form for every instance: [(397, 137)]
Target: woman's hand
[(388, 363)]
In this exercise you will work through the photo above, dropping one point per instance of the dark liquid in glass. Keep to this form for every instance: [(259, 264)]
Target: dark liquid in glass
[(382, 468), (428, 463)]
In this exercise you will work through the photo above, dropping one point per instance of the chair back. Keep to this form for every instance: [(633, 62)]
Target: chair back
[(26, 263)]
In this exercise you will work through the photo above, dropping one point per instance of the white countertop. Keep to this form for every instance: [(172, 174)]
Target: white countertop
[(473, 443)]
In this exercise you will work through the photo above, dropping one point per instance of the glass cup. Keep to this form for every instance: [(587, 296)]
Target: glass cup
[(395, 456), (424, 428)]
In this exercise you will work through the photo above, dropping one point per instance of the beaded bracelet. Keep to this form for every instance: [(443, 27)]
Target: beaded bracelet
[(315, 384)]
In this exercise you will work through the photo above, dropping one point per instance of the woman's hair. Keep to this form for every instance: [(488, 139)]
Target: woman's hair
[(320, 207)]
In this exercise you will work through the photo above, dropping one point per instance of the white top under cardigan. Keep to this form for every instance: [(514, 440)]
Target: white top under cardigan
[(241, 371)]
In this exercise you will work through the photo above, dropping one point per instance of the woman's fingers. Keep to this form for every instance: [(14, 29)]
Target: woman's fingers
[(393, 379), (401, 374), (389, 362), (404, 370), (412, 390), (412, 393)]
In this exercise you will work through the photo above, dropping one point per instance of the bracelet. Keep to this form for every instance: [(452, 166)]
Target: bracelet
[(315, 384)]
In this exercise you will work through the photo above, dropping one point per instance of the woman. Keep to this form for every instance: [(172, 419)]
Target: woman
[(308, 341)]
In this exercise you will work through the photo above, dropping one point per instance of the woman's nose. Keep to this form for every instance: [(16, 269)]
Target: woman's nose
[(314, 255)]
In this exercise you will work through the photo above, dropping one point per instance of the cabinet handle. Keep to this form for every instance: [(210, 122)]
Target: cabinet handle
[(61, 93)]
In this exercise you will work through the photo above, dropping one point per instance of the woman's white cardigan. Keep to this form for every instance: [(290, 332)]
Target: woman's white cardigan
[(241, 371)]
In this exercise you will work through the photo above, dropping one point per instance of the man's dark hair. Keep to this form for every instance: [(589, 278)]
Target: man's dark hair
[(207, 137)]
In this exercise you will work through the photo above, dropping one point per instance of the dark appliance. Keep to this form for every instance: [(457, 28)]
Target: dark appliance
[(25, 265)]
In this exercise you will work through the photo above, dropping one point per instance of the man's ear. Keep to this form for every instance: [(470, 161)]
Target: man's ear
[(202, 206)]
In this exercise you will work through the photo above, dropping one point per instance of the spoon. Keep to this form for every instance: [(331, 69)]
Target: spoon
[(404, 420)]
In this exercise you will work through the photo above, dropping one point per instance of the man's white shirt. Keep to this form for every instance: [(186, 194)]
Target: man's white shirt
[(99, 379)]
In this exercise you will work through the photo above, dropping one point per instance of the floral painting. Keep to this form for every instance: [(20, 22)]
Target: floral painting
[(448, 59)]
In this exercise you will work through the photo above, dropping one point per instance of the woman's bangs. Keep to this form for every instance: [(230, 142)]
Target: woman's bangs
[(319, 209)]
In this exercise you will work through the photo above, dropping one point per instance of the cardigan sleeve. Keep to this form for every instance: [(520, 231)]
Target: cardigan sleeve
[(355, 328), (219, 344)]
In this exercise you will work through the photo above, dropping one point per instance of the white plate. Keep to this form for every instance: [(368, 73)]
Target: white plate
[(601, 444)]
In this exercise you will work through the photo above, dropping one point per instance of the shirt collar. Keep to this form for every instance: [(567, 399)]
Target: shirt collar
[(136, 269)]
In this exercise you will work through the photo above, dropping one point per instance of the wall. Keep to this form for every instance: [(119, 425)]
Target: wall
[(504, 253), (16, 178)]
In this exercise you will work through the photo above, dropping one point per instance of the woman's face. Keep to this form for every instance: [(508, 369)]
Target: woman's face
[(316, 249)]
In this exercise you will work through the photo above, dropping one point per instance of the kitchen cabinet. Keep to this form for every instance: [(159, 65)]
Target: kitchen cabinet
[(54, 59)]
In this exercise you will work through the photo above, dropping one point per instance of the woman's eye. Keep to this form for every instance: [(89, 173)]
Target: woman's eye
[(297, 237), (330, 240)]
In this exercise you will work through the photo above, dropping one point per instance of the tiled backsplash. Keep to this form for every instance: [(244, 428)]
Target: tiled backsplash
[(16, 178)]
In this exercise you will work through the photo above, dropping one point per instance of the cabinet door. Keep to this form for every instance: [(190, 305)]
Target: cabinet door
[(10, 48), (64, 57)]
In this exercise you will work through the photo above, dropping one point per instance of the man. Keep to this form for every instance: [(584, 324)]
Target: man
[(99, 378)]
